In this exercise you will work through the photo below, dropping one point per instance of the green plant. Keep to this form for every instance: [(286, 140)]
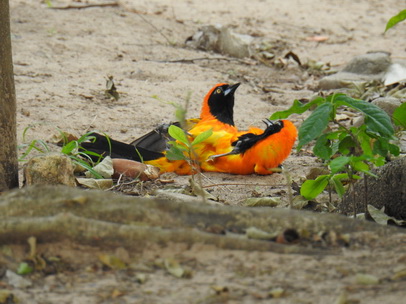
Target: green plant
[(396, 19), (78, 156), (399, 116), (183, 148), (347, 151)]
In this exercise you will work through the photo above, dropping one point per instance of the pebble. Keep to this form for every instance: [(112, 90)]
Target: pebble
[(16, 280), (362, 68), (49, 169)]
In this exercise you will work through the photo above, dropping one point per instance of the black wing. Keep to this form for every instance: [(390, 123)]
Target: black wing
[(248, 140)]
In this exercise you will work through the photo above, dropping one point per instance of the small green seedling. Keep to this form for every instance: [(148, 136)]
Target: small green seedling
[(182, 148), (78, 156)]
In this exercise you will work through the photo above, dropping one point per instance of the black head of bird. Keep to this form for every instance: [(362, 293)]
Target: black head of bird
[(219, 103)]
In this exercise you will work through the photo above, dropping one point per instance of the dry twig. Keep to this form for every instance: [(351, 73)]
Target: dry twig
[(84, 5)]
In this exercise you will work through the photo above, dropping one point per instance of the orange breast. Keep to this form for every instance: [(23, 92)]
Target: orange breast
[(265, 155), (261, 158)]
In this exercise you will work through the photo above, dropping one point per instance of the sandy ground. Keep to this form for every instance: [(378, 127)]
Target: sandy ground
[(62, 57)]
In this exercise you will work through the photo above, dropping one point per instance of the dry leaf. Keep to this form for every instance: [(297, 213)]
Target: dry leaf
[(112, 261), (92, 183), (78, 200), (104, 168), (174, 268), (111, 90), (399, 275), (141, 278), (62, 138), (317, 38), (380, 217), (342, 298), (116, 293), (262, 202), (6, 296), (199, 191), (32, 242), (219, 289), (299, 202), (294, 56), (366, 279), (258, 234), (395, 74), (277, 292)]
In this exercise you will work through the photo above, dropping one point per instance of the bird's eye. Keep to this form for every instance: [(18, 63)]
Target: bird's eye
[(218, 91)]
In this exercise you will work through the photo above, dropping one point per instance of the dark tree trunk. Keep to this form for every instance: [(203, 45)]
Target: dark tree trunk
[(8, 137)]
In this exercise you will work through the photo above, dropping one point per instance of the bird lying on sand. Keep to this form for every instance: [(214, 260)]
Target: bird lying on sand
[(227, 150)]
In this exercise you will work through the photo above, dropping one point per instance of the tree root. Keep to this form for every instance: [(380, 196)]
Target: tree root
[(105, 234), (54, 213)]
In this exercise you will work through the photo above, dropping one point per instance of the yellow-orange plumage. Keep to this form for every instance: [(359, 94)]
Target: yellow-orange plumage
[(267, 151)]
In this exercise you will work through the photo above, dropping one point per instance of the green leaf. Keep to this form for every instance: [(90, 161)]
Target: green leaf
[(376, 119), (360, 166), (202, 137), (24, 268), (364, 140), (33, 146), (338, 185), (346, 144), (311, 188), (381, 146), (178, 134), (69, 147), (180, 113), (80, 162), (322, 148), (296, 108), (315, 124), (399, 115), (178, 145), (338, 164), (174, 153), (379, 161), (394, 149), (396, 19)]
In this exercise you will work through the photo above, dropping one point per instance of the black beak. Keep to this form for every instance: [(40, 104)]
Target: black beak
[(231, 89)]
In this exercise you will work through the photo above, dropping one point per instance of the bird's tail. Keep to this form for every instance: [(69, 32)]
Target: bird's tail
[(149, 147)]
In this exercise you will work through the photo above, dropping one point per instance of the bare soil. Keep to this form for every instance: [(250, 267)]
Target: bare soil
[(61, 59)]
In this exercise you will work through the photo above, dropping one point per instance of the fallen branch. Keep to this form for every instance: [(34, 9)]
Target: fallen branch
[(84, 5), (244, 184), (192, 60)]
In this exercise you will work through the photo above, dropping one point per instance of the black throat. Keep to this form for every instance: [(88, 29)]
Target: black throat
[(221, 105)]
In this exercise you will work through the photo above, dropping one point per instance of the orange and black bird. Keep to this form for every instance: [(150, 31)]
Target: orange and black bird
[(226, 150)]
